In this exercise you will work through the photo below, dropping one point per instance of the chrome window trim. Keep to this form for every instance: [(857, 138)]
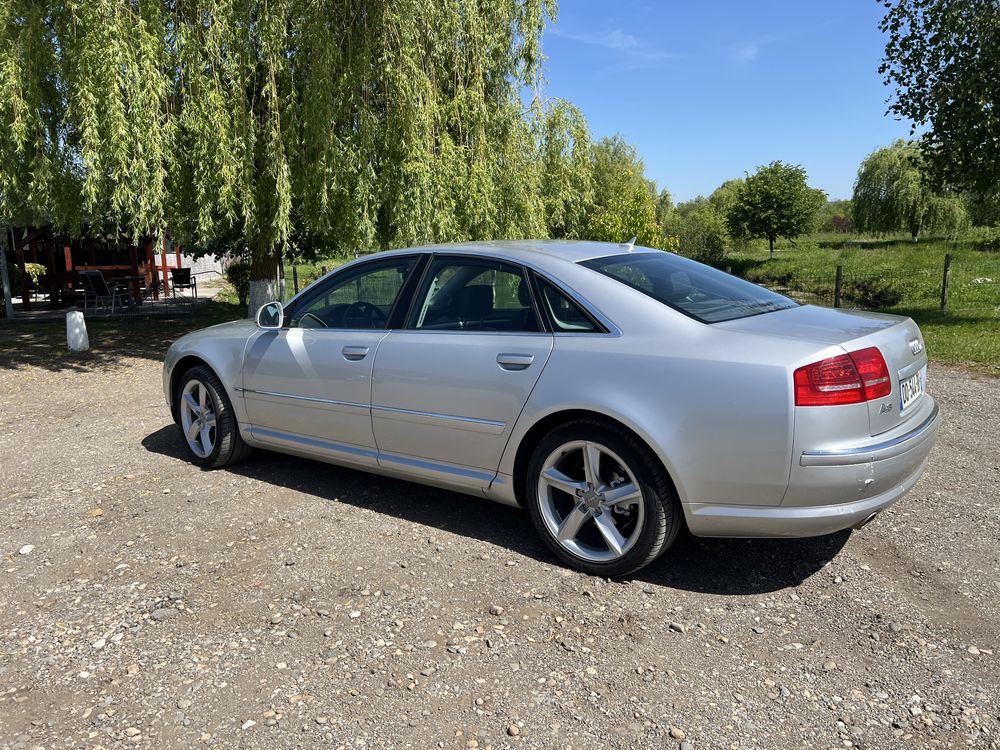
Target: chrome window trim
[(863, 454), (468, 332)]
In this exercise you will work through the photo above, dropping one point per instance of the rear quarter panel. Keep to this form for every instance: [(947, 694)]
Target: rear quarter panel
[(715, 406)]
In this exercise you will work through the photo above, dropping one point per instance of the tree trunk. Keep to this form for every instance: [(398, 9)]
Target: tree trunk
[(263, 277), (770, 242), (8, 304)]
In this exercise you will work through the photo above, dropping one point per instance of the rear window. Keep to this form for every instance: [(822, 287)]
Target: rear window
[(692, 288)]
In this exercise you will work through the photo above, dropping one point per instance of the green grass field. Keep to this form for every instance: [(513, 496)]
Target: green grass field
[(966, 333)]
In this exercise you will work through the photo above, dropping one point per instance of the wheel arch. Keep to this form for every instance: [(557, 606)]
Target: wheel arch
[(184, 365), (550, 421)]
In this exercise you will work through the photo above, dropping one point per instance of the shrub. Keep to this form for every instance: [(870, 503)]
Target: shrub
[(238, 274), (35, 272), (874, 294), (700, 234)]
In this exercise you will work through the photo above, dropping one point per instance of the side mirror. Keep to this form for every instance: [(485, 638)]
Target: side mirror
[(271, 316)]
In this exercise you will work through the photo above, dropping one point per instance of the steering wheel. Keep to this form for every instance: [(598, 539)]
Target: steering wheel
[(363, 314)]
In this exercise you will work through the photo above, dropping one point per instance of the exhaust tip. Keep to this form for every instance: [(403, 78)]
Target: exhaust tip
[(867, 521)]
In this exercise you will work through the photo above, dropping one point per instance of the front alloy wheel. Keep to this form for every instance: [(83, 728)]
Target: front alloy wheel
[(206, 420), (198, 419)]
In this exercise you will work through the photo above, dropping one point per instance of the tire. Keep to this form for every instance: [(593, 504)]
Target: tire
[(630, 489), (220, 445)]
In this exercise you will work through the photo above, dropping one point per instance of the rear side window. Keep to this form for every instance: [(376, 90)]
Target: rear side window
[(475, 295), (692, 288), (564, 313)]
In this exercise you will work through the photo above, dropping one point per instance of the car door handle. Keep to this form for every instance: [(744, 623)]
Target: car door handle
[(514, 362), (354, 353)]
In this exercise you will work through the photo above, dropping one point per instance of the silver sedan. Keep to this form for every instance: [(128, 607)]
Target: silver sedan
[(615, 392)]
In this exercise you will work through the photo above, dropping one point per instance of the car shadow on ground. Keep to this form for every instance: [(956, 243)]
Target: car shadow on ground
[(715, 566)]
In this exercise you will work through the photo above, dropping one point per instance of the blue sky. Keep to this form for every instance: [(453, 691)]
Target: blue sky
[(709, 90)]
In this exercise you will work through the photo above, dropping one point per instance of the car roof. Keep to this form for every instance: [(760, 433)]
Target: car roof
[(529, 251)]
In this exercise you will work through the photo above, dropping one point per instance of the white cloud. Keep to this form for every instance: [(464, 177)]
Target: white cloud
[(630, 49), (746, 53)]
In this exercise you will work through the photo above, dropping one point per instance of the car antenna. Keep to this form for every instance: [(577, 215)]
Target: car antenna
[(630, 245)]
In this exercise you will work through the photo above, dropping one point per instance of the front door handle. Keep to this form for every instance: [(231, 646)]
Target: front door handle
[(354, 353), (514, 362)]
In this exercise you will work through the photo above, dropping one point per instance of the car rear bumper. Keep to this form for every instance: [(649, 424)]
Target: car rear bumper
[(830, 490)]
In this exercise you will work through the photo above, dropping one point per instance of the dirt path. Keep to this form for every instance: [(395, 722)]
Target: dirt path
[(287, 603)]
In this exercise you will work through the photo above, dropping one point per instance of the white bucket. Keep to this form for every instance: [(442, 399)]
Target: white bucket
[(76, 332)]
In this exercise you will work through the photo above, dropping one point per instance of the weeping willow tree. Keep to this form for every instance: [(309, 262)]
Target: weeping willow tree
[(892, 193), (372, 123)]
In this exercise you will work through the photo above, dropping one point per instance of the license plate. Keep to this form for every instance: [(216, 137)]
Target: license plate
[(912, 388)]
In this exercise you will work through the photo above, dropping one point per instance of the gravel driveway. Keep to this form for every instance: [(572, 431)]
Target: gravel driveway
[(286, 603)]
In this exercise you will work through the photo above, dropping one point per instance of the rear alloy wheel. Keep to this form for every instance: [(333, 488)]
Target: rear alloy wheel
[(206, 420), (600, 499)]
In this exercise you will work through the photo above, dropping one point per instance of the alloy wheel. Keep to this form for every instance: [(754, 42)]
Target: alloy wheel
[(590, 501), (198, 418)]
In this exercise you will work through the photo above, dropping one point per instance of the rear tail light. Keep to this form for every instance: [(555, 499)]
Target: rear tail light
[(845, 379)]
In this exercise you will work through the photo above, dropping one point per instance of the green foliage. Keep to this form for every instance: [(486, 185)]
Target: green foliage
[(630, 213), (35, 272), (618, 169), (664, 206), (238, 274), (892, 193), (774, 202), (724, 197), (942, 58), (625, 202), (699, 232), (372, 125), (567, 170), (836, 216), (983, 208)]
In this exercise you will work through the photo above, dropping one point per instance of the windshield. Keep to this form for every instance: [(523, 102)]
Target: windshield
[(692, 288)]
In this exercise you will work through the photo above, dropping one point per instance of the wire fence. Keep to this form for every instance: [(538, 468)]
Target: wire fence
[(948, 288)]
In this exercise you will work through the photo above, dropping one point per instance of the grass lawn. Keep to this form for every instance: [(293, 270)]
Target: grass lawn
[(966, 333)]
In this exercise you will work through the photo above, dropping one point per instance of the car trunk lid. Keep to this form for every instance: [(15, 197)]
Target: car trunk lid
[(897, 338)]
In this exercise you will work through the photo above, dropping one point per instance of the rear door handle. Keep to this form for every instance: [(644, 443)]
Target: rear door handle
[(354, 353), (514, 362)]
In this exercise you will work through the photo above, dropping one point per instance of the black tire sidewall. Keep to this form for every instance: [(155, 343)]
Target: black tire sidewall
[(226, 429), (658, 521)]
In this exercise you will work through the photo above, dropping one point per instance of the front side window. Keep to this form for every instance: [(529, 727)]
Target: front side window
[(474, 295), (692, 288), (359, 300)]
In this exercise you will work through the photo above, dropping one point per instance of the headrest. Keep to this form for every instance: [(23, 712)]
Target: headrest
[(472, 302)]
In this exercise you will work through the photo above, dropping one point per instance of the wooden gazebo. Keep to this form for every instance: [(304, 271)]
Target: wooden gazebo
[(118, 258)]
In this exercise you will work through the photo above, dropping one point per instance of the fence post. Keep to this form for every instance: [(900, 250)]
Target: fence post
[(944, 281), (729, 269), (322, 270), (295, 279), (838, 285)]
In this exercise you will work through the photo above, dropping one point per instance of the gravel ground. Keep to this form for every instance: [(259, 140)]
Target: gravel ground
[(286, 603)]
